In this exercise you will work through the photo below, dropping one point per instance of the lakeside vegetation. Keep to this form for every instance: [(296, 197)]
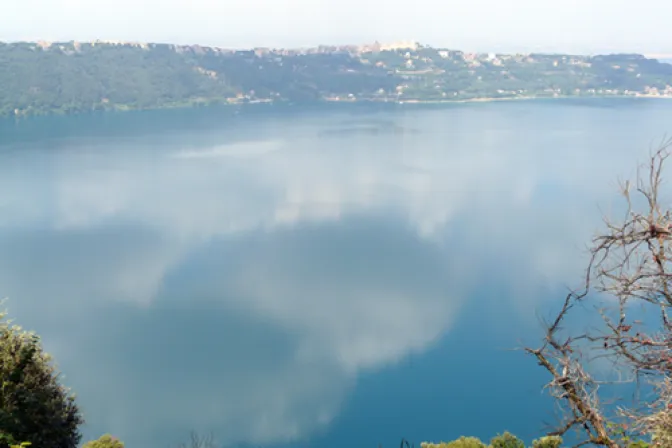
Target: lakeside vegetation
[(73, 77)]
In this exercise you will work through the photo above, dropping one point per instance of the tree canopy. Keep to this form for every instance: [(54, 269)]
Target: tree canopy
[(34, 406), (73, 77)]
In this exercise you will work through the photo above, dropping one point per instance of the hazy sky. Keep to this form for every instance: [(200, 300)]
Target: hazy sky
[(585, 26)]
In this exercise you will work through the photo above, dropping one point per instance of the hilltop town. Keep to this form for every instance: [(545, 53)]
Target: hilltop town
[(75, 77)]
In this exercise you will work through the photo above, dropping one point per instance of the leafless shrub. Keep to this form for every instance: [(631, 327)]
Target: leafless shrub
[(630, 264)]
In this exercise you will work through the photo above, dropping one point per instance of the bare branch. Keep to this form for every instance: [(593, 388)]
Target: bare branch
[(630, 263)]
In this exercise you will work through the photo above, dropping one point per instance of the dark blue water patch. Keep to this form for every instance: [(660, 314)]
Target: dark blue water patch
[(470, 380), (203, 338)]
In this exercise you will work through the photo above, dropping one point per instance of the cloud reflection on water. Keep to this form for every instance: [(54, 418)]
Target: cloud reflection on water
[(242, 287)]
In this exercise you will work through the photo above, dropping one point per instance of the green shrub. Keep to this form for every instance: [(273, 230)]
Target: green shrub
[(506, 440), (6, 439), (639, 444), (462, 442), (547, 442), (34, 406), (466, 442), (106, 441)]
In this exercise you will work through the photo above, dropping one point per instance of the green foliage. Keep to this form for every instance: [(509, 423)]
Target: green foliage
[(620, 433), (547, 442), (7, 439), (465, 442), (69, 77), (21, 445), (462, 442), (105, 441), (506, 440), (34, 406)]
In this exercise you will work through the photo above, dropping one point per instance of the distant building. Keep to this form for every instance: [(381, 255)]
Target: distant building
[(374, 47), (403, 45)]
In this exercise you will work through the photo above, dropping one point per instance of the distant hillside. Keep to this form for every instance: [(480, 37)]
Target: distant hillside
[(41, 78)]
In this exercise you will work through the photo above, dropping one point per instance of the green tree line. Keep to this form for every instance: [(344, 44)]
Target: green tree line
[(74, 77)]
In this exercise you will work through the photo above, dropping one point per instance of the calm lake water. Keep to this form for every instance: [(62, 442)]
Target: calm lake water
[(308, 277)]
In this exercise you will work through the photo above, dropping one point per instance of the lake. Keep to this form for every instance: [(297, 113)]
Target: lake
[(312, 277)]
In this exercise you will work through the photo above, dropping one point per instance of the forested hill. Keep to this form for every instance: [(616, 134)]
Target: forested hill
[(39, 78)]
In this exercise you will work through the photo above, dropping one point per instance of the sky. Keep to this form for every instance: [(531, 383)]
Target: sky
[(576, 26)]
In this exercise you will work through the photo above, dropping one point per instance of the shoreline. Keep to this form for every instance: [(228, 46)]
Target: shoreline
[(256, 103), (513, 98)]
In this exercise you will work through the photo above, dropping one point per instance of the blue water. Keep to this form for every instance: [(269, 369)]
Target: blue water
[(308, 277)]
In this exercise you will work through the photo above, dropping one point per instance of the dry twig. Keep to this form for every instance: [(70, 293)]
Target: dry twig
[(630, 263)]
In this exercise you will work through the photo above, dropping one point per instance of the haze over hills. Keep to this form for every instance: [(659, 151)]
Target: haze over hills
[(74, 77)]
